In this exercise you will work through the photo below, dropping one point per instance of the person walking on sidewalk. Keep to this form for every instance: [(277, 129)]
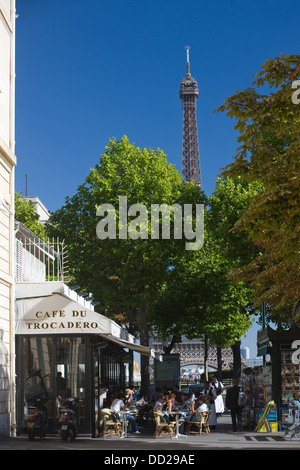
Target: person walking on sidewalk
[(231, 402)]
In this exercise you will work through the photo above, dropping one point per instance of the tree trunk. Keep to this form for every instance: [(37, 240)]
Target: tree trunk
[(219, 359), (205, 357), (237, 362), (175, 339), (144, 340)]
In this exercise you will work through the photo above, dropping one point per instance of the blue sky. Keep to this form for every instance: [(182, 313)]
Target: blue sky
[(87, 71)]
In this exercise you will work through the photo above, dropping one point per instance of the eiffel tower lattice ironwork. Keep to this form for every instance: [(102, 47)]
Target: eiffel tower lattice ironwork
[(189, 93), (192, 352)]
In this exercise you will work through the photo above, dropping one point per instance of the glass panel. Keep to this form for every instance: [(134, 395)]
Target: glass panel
[(70, 371), (37, 354), (100, 384)]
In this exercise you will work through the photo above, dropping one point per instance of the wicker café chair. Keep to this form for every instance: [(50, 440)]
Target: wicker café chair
[(162, 427), (111, 427), (200, 425)]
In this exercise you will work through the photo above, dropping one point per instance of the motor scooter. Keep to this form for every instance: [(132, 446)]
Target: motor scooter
[(69, 420), (36, 396)]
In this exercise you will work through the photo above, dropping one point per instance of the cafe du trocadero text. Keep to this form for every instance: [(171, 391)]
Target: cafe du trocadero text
[(59, 320)]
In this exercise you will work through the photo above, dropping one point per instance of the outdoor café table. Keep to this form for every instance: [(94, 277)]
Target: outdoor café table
[(124, 414), (178, 414)]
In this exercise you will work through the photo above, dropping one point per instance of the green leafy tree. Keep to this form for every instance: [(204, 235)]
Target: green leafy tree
[(124, 274), (269, 153), (228, 203), (26, 214), (199, 299)]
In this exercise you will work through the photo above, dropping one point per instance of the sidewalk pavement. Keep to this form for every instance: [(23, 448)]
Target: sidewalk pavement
[(223, 438)]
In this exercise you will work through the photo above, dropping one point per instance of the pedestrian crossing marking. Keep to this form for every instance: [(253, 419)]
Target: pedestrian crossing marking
[(264, 438)]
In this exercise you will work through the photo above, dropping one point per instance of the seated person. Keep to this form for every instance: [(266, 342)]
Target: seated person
[(130, 399), (118, 405), (188, 401), (170, 399), (202, 404), (194, 416), (161, 401)]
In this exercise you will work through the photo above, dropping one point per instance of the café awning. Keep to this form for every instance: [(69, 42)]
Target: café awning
[(137, 347), (53, 308)]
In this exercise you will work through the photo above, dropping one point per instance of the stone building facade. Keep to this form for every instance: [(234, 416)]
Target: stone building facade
[(7, 165)]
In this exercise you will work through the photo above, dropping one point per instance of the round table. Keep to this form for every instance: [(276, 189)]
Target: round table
[(178, 414), (124, 414)]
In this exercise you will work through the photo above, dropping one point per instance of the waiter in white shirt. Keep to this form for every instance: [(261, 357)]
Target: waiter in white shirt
[(219, 404)]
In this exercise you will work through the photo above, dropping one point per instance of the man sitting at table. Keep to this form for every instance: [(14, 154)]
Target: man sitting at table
[(118, 405)]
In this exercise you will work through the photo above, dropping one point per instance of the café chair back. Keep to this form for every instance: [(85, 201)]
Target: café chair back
[(162, 427), (200, 425), (112, 426)]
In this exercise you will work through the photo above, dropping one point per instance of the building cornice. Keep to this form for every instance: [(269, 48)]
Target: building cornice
[(9, 23), (7, 153)]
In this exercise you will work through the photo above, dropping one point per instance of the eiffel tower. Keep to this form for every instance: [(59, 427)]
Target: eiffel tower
[(192, 352), (189, 93)]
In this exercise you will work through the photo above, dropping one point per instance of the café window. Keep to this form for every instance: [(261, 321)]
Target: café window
[(70, 367), (62, 361)]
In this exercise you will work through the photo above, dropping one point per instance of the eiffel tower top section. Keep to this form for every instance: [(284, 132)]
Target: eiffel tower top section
[(188, 93), (188, 83)]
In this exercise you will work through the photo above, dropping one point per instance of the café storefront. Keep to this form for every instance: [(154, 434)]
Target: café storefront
[(80, 353)]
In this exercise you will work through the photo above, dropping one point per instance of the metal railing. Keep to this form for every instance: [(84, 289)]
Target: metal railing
[(40, 261)]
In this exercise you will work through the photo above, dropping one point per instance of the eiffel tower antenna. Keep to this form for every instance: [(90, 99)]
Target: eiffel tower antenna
[(189, 93), (187, 60)]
